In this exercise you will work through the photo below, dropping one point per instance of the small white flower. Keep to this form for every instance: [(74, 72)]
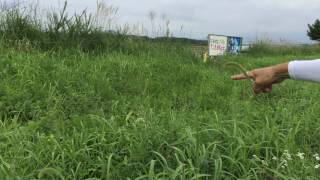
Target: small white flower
[(300, 155), (317, 156), (284, 162), (287, 155), (274, 158), (256, 157), (317, 166)]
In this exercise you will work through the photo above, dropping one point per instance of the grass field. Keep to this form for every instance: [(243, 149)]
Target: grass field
[(160, 114), (79, 103)]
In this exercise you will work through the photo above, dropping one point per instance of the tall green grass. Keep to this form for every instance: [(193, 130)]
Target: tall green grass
[(265, 48), (134, 109), (25, 27), (161, 115)]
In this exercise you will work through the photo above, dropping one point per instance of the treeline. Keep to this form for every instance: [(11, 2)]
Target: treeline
[(25, 28), (58, 30)]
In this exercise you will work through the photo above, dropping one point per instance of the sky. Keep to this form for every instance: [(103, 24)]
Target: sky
[(284, 20)]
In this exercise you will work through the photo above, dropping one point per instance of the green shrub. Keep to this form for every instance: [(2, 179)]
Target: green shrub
[(61, 31)]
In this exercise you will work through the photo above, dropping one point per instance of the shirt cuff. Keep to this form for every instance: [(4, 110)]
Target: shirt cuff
[(291, 69)]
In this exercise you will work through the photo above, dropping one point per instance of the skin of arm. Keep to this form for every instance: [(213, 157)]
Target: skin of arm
[(264, 78)]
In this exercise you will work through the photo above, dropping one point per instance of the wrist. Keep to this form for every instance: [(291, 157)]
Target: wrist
[(280, 69)]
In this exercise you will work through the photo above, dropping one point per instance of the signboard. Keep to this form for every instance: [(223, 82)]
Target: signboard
[(220, 45), (234, 45), (217, 45)]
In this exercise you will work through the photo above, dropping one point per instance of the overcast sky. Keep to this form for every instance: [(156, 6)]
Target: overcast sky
[(286, 19)]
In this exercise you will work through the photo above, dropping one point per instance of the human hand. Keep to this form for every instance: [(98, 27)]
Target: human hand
[(264, 78)]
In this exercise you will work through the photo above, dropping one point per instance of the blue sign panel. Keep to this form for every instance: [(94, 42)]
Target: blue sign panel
[(234, 45)]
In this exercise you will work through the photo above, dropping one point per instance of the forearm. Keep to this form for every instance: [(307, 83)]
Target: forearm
[(304, 70), (281, 70)]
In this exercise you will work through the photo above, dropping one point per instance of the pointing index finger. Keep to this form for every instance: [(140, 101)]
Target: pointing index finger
[(247, 75)]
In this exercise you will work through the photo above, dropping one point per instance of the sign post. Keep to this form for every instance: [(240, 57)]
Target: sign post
[(220, 45), (234, 45), (217, 44)]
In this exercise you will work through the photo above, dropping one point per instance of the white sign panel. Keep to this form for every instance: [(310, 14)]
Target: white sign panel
[(217, 45)]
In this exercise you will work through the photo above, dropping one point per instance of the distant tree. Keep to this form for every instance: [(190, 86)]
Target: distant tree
[(314, 30)]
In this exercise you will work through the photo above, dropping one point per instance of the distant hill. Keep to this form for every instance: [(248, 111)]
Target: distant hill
[(173, 39), (185, 40)]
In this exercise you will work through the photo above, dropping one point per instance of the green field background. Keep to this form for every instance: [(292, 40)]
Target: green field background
[(79, 102), (157, 115)]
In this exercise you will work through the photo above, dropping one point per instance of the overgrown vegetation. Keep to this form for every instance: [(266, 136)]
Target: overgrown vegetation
[(265, 48), (135, 109), (23, 26)]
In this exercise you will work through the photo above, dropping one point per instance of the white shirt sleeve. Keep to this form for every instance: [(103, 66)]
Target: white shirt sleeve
[(305, 70)]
